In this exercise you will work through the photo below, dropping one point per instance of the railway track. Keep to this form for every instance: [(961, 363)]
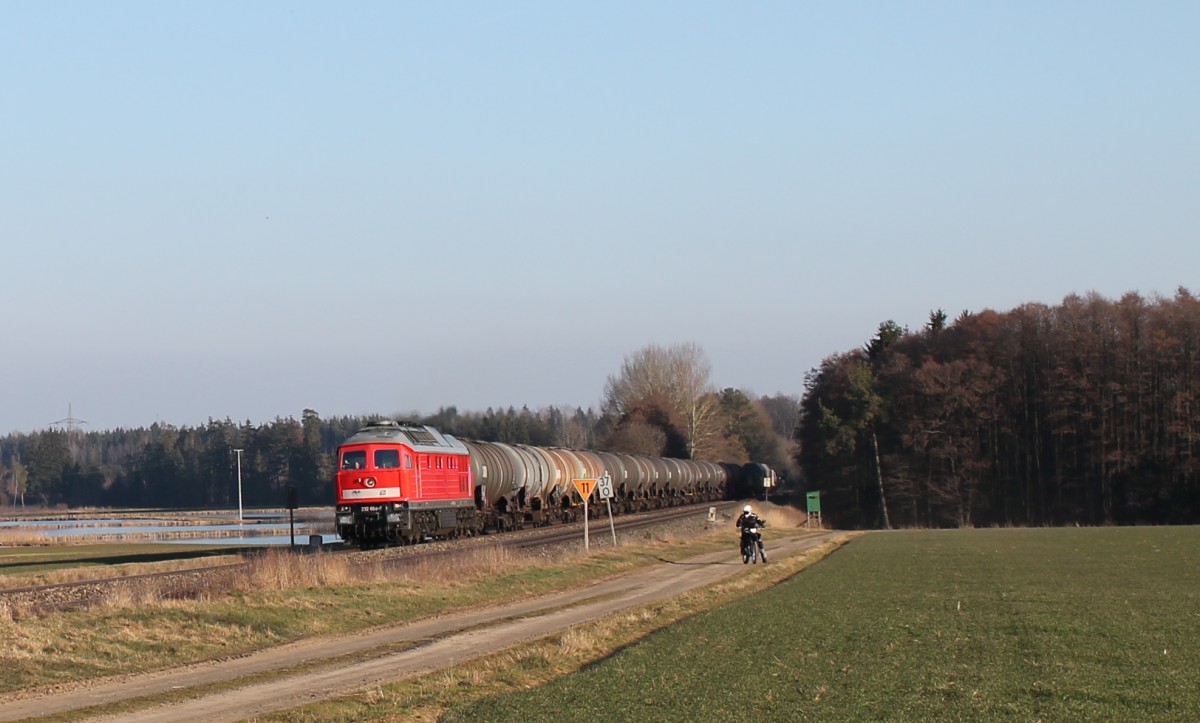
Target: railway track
[(191, 582)]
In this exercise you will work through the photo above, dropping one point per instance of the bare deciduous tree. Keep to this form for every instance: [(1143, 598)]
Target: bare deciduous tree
[(573, 434), (678, 376)]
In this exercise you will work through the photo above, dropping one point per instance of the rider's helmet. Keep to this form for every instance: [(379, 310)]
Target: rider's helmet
[(746, 509)]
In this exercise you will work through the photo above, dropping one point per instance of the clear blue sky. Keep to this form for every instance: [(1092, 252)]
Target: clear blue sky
[(246, 209)]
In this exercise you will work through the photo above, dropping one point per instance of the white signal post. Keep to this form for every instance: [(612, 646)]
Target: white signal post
[(604, 488), (239, 460), (585, 487)]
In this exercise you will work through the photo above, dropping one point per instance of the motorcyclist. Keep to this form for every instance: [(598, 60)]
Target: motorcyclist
[(746, 522)]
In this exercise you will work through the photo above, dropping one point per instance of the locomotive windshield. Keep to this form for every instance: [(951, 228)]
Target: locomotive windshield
[(354, 459), (387, 458)]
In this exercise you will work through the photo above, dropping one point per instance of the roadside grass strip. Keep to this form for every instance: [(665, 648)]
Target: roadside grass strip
[(1007, 624)]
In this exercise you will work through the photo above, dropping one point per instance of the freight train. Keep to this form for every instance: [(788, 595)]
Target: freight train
[(402, 482)]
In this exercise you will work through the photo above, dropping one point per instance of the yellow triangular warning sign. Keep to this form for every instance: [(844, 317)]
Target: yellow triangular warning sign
[(585, 487)]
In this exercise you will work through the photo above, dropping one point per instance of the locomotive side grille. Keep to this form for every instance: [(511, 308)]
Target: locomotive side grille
[(421, 436)]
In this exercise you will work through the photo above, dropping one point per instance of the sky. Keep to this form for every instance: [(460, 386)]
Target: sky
[(215, 210)]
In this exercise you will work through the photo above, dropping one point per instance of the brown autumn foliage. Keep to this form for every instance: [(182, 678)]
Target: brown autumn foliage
[(1082, 413)]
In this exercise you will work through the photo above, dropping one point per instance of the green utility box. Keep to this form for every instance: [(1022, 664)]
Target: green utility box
[(814, 502)]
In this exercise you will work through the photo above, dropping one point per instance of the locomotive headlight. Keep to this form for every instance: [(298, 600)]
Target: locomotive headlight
[(370, 482)]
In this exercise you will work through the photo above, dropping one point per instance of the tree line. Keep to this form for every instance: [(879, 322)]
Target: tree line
[(1087, 412), (1083, 413), (661, 404)]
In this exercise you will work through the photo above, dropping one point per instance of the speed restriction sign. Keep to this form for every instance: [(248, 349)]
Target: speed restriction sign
[(604, 487)]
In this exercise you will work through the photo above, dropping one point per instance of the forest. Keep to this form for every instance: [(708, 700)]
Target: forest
[(1083, 413), (661, 403)]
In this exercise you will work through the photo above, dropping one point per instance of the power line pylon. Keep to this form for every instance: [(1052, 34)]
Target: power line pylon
[(71, 424)]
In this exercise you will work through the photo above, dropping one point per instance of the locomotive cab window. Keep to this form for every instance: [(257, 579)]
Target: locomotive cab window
[(387, 458), (408, 461), (354, 459)]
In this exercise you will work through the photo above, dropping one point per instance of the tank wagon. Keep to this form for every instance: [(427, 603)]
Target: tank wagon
[(401, 482), (753, 479)]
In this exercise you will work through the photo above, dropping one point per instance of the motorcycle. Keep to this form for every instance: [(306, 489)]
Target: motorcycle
[(752, 546)]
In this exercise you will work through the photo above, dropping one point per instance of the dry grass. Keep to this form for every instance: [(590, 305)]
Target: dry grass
[(277, 571), (125, 597), (13, 537), (283, 598), (783, 518), (280, 570), (469, 564)]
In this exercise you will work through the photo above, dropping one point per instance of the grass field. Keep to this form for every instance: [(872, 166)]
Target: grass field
[(1006, 625)]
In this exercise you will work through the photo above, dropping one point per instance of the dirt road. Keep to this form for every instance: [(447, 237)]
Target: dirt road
[(435, 644)]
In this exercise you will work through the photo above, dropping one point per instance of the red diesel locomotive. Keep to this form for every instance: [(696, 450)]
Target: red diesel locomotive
[(399, 483)]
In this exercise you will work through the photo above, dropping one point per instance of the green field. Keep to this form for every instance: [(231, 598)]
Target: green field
[(1006, 625)]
